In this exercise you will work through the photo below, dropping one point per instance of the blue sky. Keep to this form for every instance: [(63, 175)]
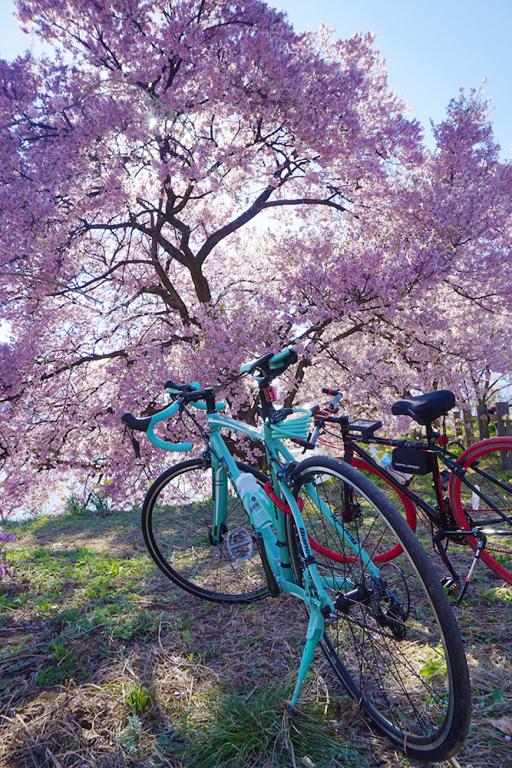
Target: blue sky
[(431, 47)]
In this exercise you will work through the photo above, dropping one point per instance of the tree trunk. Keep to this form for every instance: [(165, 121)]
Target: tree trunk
[(503, 428)]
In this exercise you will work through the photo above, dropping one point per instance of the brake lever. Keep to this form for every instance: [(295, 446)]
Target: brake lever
[(134, 441), (310, 443)]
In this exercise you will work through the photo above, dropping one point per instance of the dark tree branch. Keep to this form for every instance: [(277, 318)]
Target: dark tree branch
[(306, 201), (82, 360), (261, 203)]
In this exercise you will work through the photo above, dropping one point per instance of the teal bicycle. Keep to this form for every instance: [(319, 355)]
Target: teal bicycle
[(226, 532)]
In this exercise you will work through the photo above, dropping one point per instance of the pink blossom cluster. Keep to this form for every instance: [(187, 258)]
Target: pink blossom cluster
[(185, 185)]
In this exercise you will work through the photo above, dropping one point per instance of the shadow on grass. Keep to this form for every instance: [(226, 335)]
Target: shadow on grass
[(105, 663)]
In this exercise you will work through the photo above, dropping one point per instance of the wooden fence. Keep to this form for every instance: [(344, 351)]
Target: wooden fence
[(489, 422)]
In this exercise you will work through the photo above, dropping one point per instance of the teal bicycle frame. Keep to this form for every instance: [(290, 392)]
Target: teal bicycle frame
[(269, 521)]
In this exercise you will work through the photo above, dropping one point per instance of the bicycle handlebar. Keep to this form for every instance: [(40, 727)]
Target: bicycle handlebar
[(192, 397), (149, 423), (267, 367), (271, 365), (169, 384), (283, 359), (337, 397)]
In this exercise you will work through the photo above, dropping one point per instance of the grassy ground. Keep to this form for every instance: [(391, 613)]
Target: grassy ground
[(104, 664)]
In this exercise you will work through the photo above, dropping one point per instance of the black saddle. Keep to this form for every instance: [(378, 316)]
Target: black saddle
[(425, 409)]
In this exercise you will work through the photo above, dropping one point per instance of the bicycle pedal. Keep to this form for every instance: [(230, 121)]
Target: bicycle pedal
[(273, 586)]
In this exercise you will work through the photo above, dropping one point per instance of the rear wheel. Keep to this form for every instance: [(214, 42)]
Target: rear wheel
[(176, 523), (393, 641), (488, 467)]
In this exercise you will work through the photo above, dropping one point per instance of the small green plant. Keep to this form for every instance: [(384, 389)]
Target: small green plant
[(64, 666), (69, 616), (186, 633), (20, 601), (497, 696), (73, 506), (126, 627), (128, 739), (503, 558), (499, 594), (137, 699), (47, 605), (99, 504), (168, 740), (433, 668)]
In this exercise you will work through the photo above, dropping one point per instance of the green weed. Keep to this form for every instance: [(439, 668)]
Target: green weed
[(64, 666), (433, 668), (128, 739), (20, 601), (244, 731), (137, 699), (499, 594), (74, 507)]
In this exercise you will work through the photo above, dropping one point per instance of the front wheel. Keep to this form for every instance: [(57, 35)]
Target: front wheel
[(488, 503), (393, 641), (176, 525)]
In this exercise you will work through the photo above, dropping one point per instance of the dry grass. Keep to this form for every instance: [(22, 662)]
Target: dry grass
[(106, 664)]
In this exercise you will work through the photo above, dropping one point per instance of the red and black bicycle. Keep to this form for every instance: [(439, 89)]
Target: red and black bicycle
[(471, 500)]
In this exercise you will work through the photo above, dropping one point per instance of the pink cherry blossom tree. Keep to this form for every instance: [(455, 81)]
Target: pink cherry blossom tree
[(433, 307), (187, 184)]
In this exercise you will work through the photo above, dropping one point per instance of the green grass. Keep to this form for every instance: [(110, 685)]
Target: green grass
[(63, 665), (82, 598), (499, 594), (81, 589), (81, 602), (143, 674), (245, 730), (137, 699)]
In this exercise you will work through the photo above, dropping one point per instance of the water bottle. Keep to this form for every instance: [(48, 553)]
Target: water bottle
[(251, 494)]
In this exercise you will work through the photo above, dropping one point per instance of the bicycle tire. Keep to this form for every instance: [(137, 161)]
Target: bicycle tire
[(358, 648), (174, 551), (490, 455)]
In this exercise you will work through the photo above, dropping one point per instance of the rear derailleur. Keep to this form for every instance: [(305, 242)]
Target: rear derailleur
[(385, 605)]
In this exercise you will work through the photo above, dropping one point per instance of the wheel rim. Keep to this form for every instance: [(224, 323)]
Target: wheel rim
[(405, 685), (492, 457), (388, 554)]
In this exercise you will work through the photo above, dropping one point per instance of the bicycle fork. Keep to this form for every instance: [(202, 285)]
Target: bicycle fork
[(314, 634), (220, 502), (312, 593), (314, 596)]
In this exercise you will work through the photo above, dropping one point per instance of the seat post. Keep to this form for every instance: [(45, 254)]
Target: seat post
[(430, 432)]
